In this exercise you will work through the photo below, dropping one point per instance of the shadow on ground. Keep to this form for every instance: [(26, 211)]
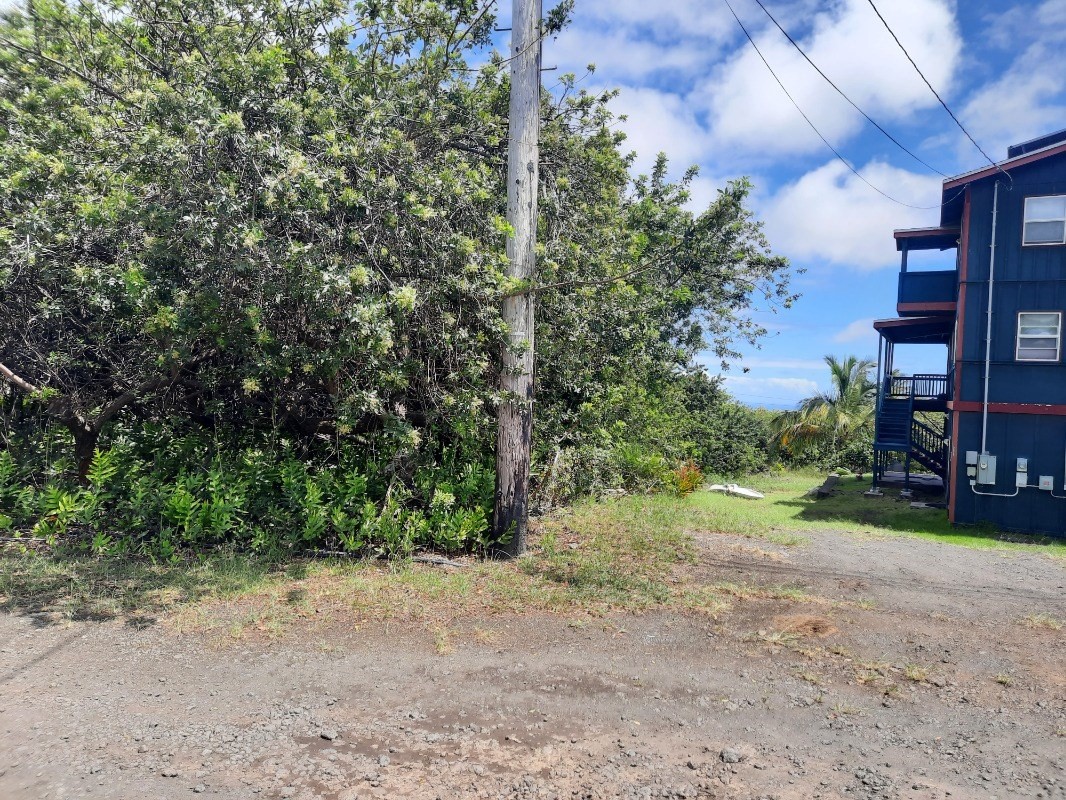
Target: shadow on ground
[(849, 504), (56, 587)]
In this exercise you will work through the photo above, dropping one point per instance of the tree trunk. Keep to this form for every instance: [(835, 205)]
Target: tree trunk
[(86, 437)]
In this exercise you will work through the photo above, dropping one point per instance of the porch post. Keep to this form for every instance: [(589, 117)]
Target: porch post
[(877, 408)]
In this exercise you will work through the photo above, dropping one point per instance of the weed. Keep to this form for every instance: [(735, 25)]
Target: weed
[(842, 709), (915, 673), (765, 592), (1003, 679), (811, 678), (864, 677), (442, 641), (775, 638), (1042, 621)]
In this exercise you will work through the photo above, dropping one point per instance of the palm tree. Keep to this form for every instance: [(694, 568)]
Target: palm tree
[(833, 417)]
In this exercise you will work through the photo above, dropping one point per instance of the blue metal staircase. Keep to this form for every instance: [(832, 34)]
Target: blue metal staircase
[(898, 431)]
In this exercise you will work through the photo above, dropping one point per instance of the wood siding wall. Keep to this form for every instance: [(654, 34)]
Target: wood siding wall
[(1026, 279)]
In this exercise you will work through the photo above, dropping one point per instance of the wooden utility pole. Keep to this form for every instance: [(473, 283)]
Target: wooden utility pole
[(515, 432)]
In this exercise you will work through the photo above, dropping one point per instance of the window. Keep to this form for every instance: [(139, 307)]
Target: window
[(1045, 220), (1038, 335)]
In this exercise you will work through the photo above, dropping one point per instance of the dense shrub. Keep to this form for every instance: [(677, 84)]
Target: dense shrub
[(251, 269)]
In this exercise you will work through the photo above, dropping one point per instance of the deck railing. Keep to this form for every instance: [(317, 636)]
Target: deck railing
[(930, 447), (920, 387)]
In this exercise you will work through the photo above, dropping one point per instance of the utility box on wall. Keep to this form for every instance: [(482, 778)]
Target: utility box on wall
[(986, 469)]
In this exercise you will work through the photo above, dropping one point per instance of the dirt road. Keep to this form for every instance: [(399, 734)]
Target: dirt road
[(911, 670)]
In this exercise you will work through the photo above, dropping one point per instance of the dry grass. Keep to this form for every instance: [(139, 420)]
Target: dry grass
[(442, 641), (750, 591), (485, 636), (1042, 622), (618, 562), (810, 677), (805, 625), (916, 673)]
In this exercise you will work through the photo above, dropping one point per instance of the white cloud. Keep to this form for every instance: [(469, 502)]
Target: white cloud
[(1027, 101), (1022, 23), (659, 122), (620, 55), (662, 21), (859, 330), (749, 111), (830, 215)]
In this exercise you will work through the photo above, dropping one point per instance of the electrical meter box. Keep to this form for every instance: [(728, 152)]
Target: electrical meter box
[(1023, 465), (986, 469)]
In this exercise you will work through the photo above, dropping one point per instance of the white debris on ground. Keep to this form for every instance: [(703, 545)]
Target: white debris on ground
[(737, 491)]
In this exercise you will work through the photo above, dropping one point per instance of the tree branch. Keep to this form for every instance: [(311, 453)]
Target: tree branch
[(17, 380)]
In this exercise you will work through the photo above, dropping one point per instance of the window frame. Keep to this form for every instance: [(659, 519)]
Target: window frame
[(1018, 338), (1026, 220)]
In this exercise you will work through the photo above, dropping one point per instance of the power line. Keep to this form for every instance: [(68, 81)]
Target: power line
[(936, 94), (840, 91), (814, 127)]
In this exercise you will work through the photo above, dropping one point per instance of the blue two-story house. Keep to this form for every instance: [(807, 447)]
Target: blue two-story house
[(992, 426)]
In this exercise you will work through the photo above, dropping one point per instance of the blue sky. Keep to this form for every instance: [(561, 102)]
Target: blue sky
[(692, 87)]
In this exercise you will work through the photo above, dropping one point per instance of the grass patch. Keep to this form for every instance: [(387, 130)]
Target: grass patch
[(594, 559), (749, 591), (916, 673), (787, 513), (1042, 622), (631, 553)]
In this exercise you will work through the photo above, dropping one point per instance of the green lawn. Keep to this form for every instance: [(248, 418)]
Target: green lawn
[(788, 511)]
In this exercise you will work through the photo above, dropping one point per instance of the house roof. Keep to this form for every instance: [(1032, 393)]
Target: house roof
[(916, 330), (1048, 146), (926, 238), (1026, 158)]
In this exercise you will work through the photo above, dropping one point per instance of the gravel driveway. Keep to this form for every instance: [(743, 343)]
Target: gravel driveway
[(912, 670)]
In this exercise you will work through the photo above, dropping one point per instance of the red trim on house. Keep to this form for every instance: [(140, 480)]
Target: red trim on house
[(1020, 161), (976, 406), (953, 459), (902, 308), (960, 316)]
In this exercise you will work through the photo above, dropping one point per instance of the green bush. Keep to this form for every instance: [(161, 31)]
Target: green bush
[(185, 494)]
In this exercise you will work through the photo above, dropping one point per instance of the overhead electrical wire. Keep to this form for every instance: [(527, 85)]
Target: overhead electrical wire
[(840, 91), (935, 93), (814, 127)]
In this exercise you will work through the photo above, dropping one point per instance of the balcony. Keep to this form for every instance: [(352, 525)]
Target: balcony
[(927, 293), (924, 392)]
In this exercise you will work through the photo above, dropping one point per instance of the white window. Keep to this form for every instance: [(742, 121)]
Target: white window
[(1039, 335), (1045, 220)]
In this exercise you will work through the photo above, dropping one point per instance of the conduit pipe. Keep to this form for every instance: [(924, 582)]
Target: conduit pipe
[(988, 322), (1059, 496)]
